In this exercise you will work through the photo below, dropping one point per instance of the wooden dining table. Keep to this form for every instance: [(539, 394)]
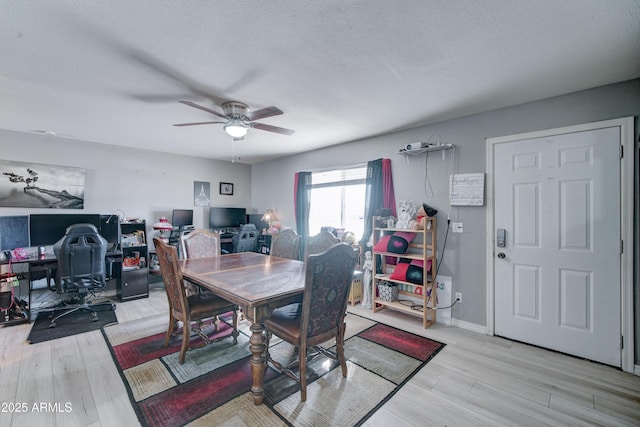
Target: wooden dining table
[(258, 284)]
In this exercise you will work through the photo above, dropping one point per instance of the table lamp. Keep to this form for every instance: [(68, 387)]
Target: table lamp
[(269, 216), (164, 228)]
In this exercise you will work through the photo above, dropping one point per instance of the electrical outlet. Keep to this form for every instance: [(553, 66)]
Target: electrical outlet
[(459, 296), (457, 227)]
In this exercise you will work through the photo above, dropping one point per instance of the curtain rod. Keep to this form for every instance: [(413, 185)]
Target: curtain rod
[(351, 166)]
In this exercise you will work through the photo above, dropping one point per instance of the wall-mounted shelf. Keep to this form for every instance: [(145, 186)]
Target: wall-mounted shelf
[(428, 148)]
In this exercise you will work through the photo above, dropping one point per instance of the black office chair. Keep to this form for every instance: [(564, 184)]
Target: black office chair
[(246, 240), (81, 269)]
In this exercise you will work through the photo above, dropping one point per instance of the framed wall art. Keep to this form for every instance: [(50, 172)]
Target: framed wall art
[(201, 193), (226, 188), (34, 185)]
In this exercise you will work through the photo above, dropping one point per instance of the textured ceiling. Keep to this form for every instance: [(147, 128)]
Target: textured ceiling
[(113, 71)]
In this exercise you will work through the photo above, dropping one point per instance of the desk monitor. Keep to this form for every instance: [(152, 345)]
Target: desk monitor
[(182, 218), (227, 217), (14, 232), (257, 220), (47, 229)]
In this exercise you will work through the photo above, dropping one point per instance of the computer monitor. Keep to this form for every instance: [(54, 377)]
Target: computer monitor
[(257, 220), (14, 232), (47, 229), (182, 218), (227, 217)]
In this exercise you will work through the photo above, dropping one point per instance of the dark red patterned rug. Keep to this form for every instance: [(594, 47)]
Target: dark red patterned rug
[(165, 393)]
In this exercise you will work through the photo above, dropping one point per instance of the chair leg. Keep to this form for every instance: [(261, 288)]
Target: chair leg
[(340, 349), (170, 330), (186, 336), (303, 373)]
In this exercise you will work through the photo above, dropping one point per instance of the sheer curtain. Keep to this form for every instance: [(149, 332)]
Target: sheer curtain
[(302, 203), (379, 193)]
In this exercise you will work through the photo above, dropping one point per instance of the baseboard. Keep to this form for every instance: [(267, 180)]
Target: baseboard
[(469, 326), (636, 370)]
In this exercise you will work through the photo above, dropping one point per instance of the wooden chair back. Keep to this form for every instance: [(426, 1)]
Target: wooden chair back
[(319, 243), (200, 244), (172, 278), (285, 244), (326, 290)]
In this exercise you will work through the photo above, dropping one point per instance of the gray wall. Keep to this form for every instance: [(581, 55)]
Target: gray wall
[(143, 184), (465, 254)]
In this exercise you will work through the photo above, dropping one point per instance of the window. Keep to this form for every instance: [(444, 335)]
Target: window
[(337, 200)]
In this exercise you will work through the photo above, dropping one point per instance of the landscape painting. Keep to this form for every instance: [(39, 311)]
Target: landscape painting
[(34, 185)]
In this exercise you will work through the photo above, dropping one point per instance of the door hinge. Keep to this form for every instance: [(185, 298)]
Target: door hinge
[(621, 247), (621, 151), (621, 341)]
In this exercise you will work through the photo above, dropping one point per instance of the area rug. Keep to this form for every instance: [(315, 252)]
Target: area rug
[(72, 324), (212, 386)]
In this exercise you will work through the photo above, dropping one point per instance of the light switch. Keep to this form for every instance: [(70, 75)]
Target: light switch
[(456, 227)]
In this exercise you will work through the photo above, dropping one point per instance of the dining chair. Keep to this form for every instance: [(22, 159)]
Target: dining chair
[(324, 306), (319, 243), (285, 243), (315, 245), (199, 244), (190, 310)]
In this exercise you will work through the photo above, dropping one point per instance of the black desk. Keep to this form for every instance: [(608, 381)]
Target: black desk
[(45, 267)]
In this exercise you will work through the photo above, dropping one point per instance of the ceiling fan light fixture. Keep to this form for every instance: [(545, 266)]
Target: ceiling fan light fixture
[(236, 128)]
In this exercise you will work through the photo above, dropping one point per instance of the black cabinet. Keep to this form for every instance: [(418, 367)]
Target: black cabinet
[(264, 244), (134, 277)]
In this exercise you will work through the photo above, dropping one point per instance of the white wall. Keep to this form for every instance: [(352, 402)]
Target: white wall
[(143, 184), (465, 255)]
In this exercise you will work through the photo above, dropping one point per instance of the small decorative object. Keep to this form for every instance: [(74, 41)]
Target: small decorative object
[(349, 237), (424, 211), (382, 217), (154, 265), (226, 188), (387, 291), (367, 267), (164, 229), (406, 212), (274, 228), (20, 254)]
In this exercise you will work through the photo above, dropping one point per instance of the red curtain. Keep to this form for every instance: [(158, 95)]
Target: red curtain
[(389, 197)]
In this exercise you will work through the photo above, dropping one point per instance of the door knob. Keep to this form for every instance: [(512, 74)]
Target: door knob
[(501, 255)]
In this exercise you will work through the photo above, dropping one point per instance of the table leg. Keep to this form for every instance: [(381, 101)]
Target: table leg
[(258, 362)]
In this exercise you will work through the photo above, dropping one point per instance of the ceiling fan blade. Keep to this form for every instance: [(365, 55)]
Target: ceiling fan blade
[(196, 123), (163, 68), (271, 128), (262, 113), (208, 110)]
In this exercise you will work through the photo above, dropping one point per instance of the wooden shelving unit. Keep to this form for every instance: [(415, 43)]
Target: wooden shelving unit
[(423, 247)]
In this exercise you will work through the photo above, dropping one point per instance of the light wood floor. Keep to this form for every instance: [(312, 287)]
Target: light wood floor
[(476, 380)]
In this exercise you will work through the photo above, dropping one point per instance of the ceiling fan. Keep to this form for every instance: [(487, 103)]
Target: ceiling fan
[(238, 118)]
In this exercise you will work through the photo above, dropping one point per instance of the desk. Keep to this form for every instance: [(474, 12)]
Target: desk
[(257, 283), (45, 267)]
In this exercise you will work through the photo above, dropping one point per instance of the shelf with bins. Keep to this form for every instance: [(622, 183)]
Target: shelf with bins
[(416, 287), (133, 281)]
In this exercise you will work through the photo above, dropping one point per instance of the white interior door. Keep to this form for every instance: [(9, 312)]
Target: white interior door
[(557, 279)]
